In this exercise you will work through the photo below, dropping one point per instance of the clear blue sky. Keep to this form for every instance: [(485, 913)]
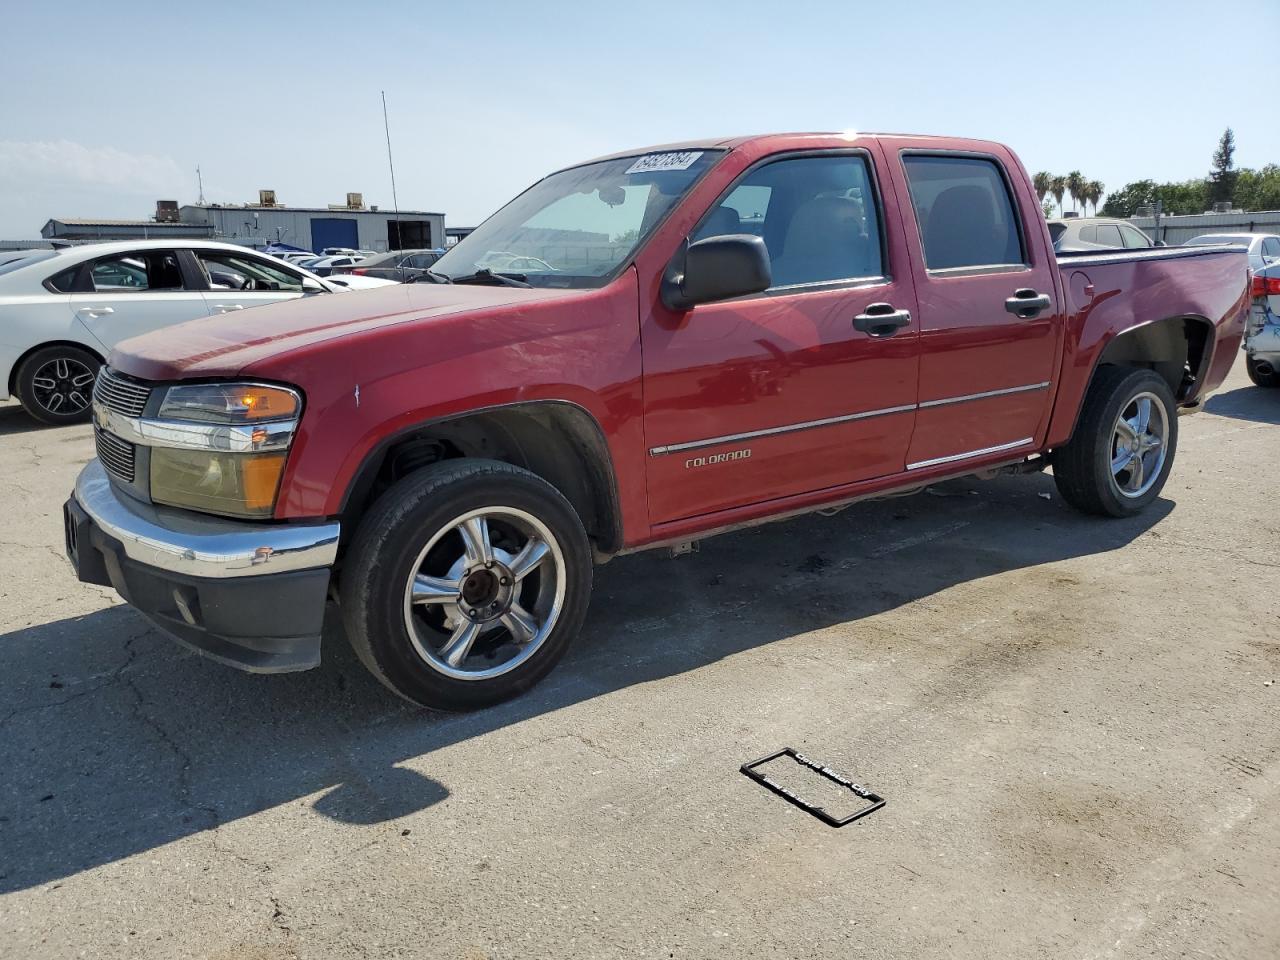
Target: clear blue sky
[(106, 108)]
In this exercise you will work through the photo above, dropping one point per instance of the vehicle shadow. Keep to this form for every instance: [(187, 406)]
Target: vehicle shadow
[(116, 740), (15, 420), (1255, 404)]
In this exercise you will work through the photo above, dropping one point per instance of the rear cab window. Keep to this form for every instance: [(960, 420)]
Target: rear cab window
[(965, 213)]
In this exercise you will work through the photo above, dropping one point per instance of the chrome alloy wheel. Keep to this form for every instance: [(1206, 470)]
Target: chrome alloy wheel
[(63, 385), (1139, 445), (485, 593)]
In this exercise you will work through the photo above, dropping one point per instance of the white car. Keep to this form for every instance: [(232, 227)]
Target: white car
[(1263, 248), (61, 311)]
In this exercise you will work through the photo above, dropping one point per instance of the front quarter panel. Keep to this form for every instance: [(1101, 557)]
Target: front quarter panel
[(365, 390)]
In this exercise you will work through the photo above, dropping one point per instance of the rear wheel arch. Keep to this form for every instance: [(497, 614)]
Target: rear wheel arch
[(557, 440), (17, 364), (1179, 349)]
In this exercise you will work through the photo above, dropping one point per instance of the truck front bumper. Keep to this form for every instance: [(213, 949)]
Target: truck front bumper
[(250, 595)]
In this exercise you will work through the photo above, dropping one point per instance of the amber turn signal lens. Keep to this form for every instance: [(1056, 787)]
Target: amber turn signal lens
[(262, 480)]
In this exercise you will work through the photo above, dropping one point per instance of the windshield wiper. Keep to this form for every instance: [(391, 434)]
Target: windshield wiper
[(485, 275), (429, 276)]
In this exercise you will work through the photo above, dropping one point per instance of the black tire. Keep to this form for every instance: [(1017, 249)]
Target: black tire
[(38, 400), (1082, 469), (383, 557), (1259, 378)]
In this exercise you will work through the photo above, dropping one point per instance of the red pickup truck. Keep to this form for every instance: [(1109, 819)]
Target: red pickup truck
[(638, 351)]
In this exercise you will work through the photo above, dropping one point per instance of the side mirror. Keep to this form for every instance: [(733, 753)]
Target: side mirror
[(717, 268), (1161, 243), (312, 286)]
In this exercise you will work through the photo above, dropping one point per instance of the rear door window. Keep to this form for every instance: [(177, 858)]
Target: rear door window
[(141, 272), (965, 212), (1109, 235), (818, 217), (1134, 238)]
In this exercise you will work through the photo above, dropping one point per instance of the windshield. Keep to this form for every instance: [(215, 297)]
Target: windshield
[(578, 227)]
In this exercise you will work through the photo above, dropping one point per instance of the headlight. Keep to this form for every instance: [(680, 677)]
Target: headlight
[(229, 403), (221, 447), (235, 484)]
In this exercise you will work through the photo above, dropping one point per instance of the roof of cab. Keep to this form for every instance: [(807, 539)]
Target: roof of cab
[(730, 143)]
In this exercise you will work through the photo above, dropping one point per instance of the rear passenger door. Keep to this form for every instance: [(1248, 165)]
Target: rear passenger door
[(126, 294), (987, 303)]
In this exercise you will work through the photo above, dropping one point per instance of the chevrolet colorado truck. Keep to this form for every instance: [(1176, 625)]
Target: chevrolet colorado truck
[(638, 351)]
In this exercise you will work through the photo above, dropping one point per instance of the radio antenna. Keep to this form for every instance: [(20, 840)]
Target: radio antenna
[(395, 201)]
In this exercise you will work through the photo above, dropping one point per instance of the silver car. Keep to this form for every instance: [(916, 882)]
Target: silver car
[(1264, 248), (1262, 336)]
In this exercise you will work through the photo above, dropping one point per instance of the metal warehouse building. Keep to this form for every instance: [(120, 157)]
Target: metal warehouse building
[(315, 228), (259, 224)]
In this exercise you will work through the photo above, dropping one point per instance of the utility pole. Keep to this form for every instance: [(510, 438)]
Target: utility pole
[(395, 202)]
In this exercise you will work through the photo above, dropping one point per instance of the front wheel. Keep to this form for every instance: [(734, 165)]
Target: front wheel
[(1119, 458), (466, 583), (1269, 378)]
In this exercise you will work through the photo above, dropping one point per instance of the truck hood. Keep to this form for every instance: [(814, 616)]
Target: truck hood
[(225, 344)]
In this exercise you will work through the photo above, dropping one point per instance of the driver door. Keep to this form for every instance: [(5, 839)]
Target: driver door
[(238, 281)]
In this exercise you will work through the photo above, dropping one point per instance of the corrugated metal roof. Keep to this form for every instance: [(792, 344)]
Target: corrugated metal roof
[(332, 211), (149, 224)]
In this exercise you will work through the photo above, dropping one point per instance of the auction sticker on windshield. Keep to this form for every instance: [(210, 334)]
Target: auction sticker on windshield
[(652, 162)]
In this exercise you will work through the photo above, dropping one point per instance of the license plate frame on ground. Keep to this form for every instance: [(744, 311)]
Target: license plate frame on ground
[(875, 800)]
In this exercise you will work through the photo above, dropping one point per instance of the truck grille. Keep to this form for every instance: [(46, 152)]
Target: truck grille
[(120, 395), (116, 455)]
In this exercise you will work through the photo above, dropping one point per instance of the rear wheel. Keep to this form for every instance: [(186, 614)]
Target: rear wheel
[(1120, 456), (55, 384), (466, 583), (1271, 378)]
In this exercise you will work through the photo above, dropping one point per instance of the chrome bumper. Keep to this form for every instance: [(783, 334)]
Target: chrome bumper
[(178, 541)]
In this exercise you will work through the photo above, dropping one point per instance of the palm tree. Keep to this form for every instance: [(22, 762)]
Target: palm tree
[(1075, 187), (1042, 182), (1058, 186), (1094, 191)]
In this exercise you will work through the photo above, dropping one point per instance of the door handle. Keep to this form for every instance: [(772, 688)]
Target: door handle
[(95, 311), (881, 320), (227, 307), (1026, 303)]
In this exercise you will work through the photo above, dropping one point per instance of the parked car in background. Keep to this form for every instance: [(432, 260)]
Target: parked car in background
[(326, 265), (1096, 233), (1263, 248), (401, 266), (10, 256), (297, 259), (1262, 335), (754, 328), (61, 311)]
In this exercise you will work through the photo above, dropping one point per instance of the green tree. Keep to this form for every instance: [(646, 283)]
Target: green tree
[(1075, 187), (1093, 191), (1046, 204), (1058, 187), (1223, 176), (1042, 182), (1258, 189)]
